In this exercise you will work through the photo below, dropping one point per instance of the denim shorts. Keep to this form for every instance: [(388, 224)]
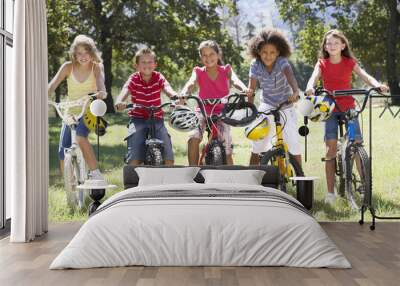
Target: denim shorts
[(65, 136), (332, 124), (138, 135)]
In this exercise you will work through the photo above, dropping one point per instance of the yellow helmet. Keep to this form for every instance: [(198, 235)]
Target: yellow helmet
[(258, 129), (90, 121)]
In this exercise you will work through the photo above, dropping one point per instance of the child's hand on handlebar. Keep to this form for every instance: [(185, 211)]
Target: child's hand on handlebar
[(120, 106), (179, 99), (249, 92), (310, 91), (294, 97), (383, 88)]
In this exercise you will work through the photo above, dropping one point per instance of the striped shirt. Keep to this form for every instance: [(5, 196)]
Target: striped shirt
[(146, 93), (274, 84)]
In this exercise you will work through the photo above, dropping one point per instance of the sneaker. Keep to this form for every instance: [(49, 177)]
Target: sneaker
[(95, 175), (330, 198)]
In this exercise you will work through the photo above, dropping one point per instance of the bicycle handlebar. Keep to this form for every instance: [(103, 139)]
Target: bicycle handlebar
[(331, 95), (278, 108), (151, 108), (66, 105), (237, 103)]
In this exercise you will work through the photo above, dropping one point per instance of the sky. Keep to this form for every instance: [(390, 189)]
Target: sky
[(261, 13)]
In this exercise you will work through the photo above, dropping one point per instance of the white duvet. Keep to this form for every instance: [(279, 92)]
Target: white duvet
[(201, 224)]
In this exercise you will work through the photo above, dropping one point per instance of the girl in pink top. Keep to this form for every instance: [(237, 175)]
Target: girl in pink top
[(213, 80)]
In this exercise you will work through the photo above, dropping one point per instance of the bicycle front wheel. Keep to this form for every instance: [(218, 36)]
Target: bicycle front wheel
[(71, 180), (154, 156), (215, 154), (272, 157), (358, 176)]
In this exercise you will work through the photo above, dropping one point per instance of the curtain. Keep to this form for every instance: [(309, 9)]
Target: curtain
[(26, 124)]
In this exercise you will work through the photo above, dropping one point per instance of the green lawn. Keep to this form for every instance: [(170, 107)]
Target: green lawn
[(386, 171)]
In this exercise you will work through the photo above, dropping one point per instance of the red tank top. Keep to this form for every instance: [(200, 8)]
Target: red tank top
[(212, 89), (337, 77)]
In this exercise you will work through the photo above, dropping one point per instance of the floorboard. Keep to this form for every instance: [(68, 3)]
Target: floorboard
[(374, 255)]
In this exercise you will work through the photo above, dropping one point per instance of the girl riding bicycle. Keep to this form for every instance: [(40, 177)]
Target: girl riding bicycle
[(335, 67), (144, 88), (213, 80), (271, 69), (84, 74)]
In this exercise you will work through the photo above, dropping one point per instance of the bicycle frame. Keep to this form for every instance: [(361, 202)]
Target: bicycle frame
[(151, 140), (282, 161), (226, 116), (73, 151), (348, 147), (213, 134)]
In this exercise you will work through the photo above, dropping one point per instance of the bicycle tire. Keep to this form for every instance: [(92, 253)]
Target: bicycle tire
[(269, 158), (71, 180), (154, 156), (358, 178), (84, 170), (340, 176), (215, 154)]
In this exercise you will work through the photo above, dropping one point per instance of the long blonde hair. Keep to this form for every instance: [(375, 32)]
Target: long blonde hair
[(88, 44)]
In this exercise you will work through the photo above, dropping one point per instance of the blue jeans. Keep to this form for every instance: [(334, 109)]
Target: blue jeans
[(66, 138), (332, 124), (137, 140)]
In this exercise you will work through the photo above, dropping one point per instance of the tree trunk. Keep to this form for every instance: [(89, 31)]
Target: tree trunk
[(391, 57), (107, 61), (105, 43)]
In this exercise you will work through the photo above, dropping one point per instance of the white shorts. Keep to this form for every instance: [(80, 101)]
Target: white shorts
[(224, 133), (290, 132)]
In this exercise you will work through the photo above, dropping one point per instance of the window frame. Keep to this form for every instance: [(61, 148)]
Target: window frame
[(6, 40)]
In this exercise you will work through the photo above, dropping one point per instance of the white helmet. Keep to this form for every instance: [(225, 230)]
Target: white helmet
[(305, 106), (323, 108), (182, 118)]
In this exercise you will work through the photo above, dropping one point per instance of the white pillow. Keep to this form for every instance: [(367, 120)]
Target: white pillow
[(248, 177), (166, 176)]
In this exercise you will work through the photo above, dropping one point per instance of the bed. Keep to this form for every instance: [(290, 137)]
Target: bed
[(201, 222)]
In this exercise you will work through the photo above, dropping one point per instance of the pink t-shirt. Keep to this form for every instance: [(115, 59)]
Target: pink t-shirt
[(209, 89)]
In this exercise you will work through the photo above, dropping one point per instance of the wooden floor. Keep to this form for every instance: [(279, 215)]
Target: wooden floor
[(374, 255)]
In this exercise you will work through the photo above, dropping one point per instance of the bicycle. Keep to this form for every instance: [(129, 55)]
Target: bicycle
[(75, 168), (213, 152), (352, 180), (154, 154), (279, 155)]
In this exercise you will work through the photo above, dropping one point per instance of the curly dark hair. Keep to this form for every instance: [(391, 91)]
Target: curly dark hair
[(269, 36)]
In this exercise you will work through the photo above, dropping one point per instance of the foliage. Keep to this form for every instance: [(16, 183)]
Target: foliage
[(372, 28), (173, 28), (57, 36)]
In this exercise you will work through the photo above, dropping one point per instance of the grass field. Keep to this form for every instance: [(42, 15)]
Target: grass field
[(386, 168)]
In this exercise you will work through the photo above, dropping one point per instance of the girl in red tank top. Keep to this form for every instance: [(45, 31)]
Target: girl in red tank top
[(335, 67)]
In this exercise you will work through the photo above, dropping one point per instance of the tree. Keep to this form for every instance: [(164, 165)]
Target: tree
[(372, 29), (250, 28), (57, 33), (173, 28)]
